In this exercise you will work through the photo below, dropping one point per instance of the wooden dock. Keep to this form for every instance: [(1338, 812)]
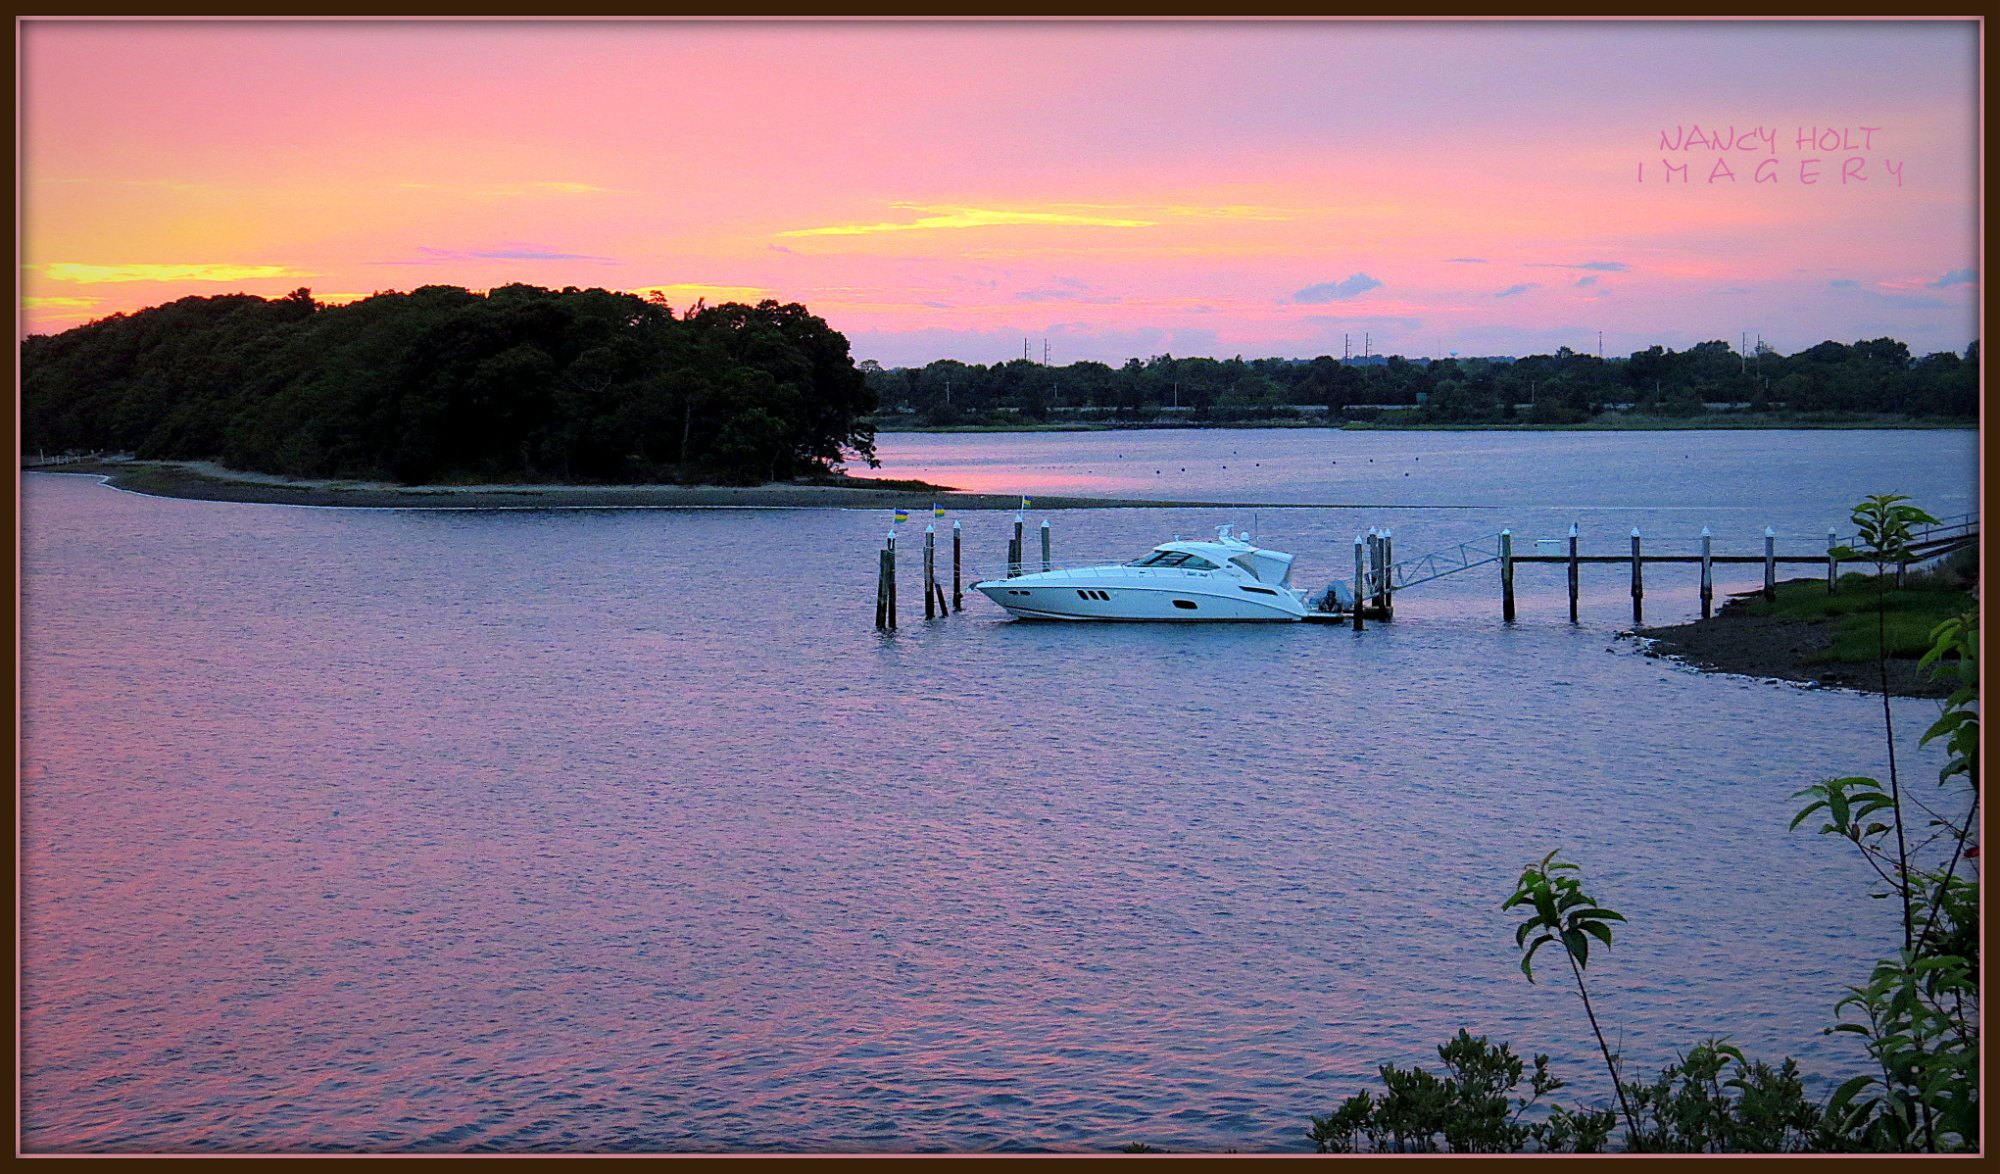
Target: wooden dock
[(1378, 577)]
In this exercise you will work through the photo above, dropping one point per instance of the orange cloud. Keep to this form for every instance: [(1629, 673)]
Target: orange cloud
[(974, 218), (688, 291), (104, 274)]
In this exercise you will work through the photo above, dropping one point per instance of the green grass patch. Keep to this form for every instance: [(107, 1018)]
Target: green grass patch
[(1865, 618)]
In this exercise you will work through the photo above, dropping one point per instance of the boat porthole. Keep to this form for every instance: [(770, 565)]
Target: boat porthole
[(1186, 603)]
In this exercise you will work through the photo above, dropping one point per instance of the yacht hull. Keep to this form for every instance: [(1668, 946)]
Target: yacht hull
[(1141, 603)]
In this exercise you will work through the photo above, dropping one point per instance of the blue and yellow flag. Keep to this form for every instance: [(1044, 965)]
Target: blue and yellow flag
[(1026, 502), (937, 511), (902, 516)]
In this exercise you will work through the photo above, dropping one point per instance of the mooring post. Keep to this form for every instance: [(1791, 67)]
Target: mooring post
[(1572, 572), (1832, 563), (1770, 563), (1638, 581), (882, 588), (1045, 545), (892, 580), (957, 584), (1359, 582), (1388, 574), (930, 572), (1708, 573), (1014, 551), (1507, 575)]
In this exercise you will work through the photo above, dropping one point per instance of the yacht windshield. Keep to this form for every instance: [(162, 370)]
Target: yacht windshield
[(1174, 558)]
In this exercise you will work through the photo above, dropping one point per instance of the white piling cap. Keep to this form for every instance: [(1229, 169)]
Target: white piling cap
[(1572, 529), (929, 529), (1635, 531), (1386, 533), (1508, 533), (1358, 540), (954, 525), (1704, 532), (1045, 523), (1770, 533)]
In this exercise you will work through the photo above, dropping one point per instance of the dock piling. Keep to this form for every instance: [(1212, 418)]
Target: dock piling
[(1045, 545), (1373, 596), (930, 572), (1638, 581), (1014, 551), (957, 582), (1507, 575), (1770, 564), (1572, 573), (1708, 571), (1359, 581), (1832, 564), (882, 588), (1388, 565)]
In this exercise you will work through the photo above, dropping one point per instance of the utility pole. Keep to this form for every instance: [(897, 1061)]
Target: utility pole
[(1045, 352), (1600, 346), (1346, 348)]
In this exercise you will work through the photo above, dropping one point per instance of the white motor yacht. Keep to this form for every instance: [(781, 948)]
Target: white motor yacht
[(1226, 579)]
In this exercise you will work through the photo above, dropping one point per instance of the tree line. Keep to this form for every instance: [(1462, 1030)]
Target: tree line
[(520, 383), (1871, 377)]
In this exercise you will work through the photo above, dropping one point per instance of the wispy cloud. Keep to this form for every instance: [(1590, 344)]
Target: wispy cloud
[(515, 252), (951, 218), (105, 274), (1600, 266), (1586, 281), (1955, 277), (1065, 295), (1524, 287), (1353, 285), (1466, 260), (540, 188), (59, 303), (1888, 297)]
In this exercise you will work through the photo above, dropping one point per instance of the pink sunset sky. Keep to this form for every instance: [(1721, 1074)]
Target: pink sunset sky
[(945, 190)]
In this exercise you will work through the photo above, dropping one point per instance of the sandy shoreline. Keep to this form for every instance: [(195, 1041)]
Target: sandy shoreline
[(206, 481)]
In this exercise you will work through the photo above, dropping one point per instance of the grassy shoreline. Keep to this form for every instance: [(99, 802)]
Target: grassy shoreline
[(1829, 639)]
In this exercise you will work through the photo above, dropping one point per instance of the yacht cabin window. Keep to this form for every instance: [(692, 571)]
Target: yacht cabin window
[(1174, 558)]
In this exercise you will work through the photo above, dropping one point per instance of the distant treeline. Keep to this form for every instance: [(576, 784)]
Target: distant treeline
[(1872, 377), (522, 383)]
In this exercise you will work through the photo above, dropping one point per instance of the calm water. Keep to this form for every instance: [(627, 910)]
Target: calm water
[(607, 830)]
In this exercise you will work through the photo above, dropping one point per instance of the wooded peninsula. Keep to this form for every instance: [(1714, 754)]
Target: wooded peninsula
[(444, 385)]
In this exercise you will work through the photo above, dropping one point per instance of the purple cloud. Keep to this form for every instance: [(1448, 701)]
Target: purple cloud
[(1524, 287), (1336, 291)]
